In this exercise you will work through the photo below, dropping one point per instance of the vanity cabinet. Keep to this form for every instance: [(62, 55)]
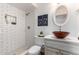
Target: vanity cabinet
[(54, 51), (65, 53), (51, 51), (55, 46)]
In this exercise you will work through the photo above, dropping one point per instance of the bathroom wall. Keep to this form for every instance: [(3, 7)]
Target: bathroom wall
[(72, 25), (12, 37), (45, 8), (30, 32)]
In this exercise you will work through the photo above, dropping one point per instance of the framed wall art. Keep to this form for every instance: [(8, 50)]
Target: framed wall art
[(43, 20)]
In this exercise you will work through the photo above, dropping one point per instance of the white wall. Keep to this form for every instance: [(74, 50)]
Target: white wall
[(72, 25), (12, 37), (45, 8), (30, 33)]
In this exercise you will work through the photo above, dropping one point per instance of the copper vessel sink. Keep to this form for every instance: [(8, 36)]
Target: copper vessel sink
[(61, 34)]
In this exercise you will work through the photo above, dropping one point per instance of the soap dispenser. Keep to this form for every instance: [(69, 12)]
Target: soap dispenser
[(42, 50), (78, 36)]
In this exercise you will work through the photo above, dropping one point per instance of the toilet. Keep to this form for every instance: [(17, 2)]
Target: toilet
[(35, 49)]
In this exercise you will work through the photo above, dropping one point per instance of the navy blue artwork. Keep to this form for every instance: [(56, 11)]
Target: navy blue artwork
[(43, 20)]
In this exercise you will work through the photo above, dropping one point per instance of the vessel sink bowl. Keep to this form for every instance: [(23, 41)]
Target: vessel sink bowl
[(60, 34)]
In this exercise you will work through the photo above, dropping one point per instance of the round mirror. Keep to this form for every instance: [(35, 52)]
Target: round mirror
[(61, 14)]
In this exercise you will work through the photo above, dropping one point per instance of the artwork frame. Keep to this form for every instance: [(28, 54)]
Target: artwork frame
[(43, 20)]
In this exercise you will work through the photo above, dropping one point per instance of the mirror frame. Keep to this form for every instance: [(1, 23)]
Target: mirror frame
[(55, 15)]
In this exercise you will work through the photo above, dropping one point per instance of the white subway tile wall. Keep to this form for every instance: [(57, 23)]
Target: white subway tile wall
[(12, 37)]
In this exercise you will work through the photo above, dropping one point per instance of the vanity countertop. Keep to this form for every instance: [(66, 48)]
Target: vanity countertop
[(71, 39), (51, 37), (38, 37)]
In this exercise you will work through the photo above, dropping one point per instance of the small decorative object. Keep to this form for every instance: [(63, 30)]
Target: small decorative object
[(78, 36), (28, 27), (43, 20), (41, 34), (10, 19), (42, 52)]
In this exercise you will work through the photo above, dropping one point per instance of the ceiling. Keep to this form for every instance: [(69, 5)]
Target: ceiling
[(27, 7)]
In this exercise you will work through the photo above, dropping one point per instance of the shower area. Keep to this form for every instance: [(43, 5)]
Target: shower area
[(14, 28)]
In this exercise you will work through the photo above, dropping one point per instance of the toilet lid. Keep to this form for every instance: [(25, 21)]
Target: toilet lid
[(34, 49)]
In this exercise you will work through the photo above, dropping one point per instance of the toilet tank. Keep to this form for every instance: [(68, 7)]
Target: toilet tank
[(39, 40)]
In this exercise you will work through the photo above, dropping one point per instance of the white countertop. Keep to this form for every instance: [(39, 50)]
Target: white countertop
[(70, 39), (38, 37)]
